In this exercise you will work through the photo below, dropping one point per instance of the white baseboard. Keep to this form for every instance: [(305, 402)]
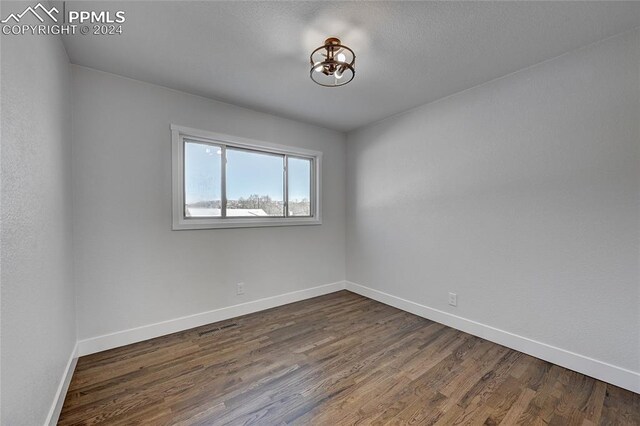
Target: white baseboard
[(61, 392), (618, 376), (138, 334)]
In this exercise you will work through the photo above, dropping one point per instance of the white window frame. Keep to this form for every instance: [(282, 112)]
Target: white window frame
[(180, 222)]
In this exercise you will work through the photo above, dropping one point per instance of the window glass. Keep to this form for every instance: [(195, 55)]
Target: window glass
[(299, 186), (202, 179), (255, 183)]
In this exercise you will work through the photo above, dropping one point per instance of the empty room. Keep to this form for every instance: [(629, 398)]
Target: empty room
[(320, 213)]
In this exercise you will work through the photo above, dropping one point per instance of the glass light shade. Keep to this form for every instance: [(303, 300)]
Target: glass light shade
[(332, 64)]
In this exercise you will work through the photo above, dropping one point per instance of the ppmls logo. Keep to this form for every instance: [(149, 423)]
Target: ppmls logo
[(51, 21), (33, 11)]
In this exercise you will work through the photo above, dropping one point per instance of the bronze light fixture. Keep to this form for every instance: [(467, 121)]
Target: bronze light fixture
[(333, 64)]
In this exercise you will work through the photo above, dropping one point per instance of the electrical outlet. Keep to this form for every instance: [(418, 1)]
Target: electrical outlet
[(240, 288), (453, 299)]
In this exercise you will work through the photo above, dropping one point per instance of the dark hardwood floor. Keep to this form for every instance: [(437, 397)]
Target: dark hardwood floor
[(333, 360)]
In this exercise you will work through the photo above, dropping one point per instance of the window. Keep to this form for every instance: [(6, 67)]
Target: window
[(221, 181)]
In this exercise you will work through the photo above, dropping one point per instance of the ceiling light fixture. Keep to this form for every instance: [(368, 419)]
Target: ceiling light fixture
[(333, 64)]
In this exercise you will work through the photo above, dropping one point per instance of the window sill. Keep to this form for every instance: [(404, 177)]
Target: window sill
[(193, 223)]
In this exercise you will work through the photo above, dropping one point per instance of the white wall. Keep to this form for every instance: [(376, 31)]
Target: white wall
[(520, 195), (131, 268), (38, 319)]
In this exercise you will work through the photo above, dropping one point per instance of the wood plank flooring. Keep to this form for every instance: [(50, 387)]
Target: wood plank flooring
[(339, 359)]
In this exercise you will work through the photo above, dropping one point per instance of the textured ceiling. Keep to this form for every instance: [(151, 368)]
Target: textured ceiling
[(255, 54)]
